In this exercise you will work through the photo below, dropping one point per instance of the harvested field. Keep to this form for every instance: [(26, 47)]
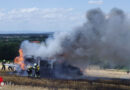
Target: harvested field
[(20, 87), (109, 73), (53, 84)]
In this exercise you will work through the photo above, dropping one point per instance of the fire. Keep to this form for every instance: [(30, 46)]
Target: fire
[(20, 59)]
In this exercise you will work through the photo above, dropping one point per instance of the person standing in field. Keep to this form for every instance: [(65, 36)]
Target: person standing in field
[(29, 71), (37, 70), (10, 68), (3, 65)]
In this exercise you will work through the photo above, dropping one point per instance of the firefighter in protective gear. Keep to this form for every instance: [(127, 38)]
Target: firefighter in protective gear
[(37, 70), (10, 68), (30, 71), (3, 65)]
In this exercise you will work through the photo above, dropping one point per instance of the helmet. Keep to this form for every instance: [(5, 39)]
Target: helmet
[(28, 66), (35, 64)]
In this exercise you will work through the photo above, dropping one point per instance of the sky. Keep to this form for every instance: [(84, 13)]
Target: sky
[(39, 16)]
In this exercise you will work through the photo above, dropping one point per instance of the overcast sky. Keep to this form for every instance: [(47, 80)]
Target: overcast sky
[(36, 16)]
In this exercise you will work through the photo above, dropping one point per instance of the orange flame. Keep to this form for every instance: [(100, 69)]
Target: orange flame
[(20, 59)]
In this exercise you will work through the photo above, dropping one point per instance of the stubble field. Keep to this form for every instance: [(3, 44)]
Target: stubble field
[(14, 82)]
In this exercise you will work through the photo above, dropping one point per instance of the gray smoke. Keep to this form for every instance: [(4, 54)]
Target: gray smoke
[(103, 38)]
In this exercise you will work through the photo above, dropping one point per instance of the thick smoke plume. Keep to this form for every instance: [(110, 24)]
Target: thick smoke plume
[(103, 38)]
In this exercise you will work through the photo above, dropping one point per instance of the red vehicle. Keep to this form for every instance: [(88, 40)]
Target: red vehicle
[(1, 79)]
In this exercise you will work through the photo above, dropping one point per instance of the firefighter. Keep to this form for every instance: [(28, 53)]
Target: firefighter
[(3, 65), (10, 68), (37, 70), (29, 71)]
